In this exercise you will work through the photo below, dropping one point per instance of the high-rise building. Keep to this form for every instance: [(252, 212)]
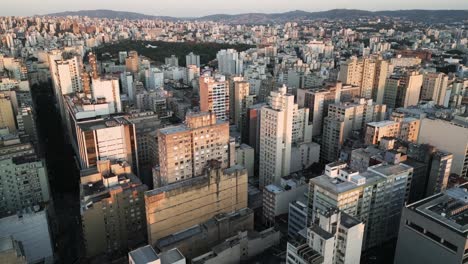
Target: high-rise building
[(375, 197), (439, 172), (172, 61), (282, 123), (132, 62), (360, 72), (126, 79), (230, 62), (7, 117), (403, 90), (122, 56), (342, 120), (68, 75), (112, 208), (192, 59), (381, 73), (107, 89), (214, 96), (147, 125), (317, 100), (334, 237), (184, 150), (180, 205), (94, 65), (404, 128), (434, 87), (450, 137), (434, 230), (242, 101), (111, 139), (23, 175)]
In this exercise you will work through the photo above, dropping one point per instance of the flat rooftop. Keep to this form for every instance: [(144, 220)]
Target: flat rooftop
[(143, 255), (381, 123), (449, 209), (104, 123)]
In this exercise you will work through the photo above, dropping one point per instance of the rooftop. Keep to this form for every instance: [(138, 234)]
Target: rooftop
[(104, 123), (449, 209), (143, 255)]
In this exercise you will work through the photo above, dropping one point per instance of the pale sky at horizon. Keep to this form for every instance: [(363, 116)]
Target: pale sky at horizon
[(195, 8)]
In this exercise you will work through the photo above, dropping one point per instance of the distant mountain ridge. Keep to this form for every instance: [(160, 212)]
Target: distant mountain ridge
[(297, 15)]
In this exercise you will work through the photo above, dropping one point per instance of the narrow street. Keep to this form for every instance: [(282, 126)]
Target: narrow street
[(63, 175)]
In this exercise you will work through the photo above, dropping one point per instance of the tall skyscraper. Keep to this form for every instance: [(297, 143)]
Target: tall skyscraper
[(403, 90), (359, 72), (230, 62), (192, 59), (242, 101), (112, 208), (132, 62), (184, 150), (282, 123), (434, 87), (214, 96), (381, 73), (317, 100)]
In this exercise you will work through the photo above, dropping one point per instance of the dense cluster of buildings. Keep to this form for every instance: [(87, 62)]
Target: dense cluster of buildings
[(348, 139)]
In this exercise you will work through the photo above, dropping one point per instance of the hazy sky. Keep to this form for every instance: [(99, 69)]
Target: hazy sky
[(193, 8)]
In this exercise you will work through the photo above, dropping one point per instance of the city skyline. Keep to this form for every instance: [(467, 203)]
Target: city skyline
[(187, 8)]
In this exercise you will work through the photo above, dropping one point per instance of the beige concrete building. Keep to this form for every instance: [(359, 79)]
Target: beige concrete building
[(184, 150), (112, 208), (361, 73), (199, 239), (7, 117), (132, 62), (342, 120), (434, 87), (106, 139), (192, 201), (405, 128), (240, 248), (242, 101), (403, 90)]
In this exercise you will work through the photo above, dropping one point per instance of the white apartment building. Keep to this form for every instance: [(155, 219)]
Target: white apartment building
[(108, 89), (229, 62), (214, 96), (192, 59), (281, 124), (334, 238)]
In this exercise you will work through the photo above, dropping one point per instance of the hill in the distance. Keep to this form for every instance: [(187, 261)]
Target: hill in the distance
[(103, 13), (298, 15)]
